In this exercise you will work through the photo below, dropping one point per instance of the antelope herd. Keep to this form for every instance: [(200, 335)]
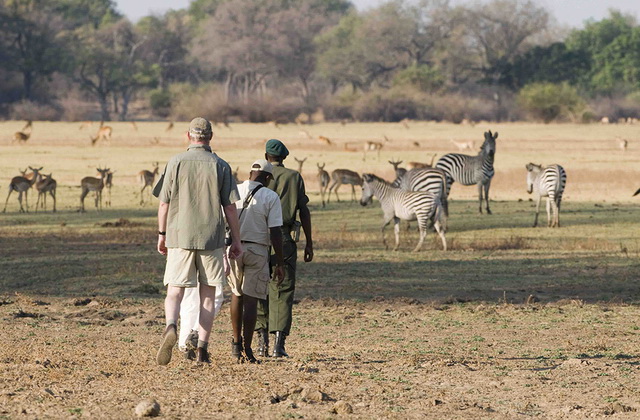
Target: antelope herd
[(431, 180)]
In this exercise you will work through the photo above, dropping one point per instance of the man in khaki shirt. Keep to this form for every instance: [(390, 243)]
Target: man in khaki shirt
[(260, 226), (196, 185)]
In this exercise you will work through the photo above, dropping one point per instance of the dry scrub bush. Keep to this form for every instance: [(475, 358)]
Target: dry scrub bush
[(35, 111), (616, 107)]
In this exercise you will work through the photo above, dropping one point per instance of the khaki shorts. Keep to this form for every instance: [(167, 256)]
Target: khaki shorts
[(188, 267), (250, 273)]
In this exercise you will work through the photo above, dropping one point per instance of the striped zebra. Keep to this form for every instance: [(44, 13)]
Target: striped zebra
[(547, 182), (407, 205), (471, 170), (431, 180)]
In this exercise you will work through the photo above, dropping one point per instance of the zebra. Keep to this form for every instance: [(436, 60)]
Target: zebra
[(470, 170), (547, 182), (407, 205)]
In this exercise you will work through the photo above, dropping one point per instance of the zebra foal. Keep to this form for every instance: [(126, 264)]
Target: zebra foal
[(407, 205), (471, 170), (547, 182)]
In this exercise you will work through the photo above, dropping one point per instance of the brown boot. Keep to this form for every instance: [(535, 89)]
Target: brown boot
[(202, 355), (169, 338)]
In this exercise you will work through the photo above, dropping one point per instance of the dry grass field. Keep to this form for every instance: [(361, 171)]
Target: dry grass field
[(512, 321)]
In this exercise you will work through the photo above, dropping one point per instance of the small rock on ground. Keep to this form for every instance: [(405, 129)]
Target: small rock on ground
[(148, 408)]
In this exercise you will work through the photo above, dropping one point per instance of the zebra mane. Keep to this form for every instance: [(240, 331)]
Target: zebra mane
[(372, 177)]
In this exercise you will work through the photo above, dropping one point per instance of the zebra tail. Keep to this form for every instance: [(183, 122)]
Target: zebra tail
[(440, 214), (637, 192)]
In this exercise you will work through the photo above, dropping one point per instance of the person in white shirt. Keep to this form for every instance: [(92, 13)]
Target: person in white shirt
[(260, 221)]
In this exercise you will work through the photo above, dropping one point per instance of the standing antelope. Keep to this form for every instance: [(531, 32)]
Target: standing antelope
[(21, 184), (90, 183), (407, 205), (104, 133), (46, 185), (470, 170), (22, 136), (622, 143), (108, 183), (145, 179), (398, 171), (372, 146), (300, 163), (323, 180), (344, 176), (547, 182)]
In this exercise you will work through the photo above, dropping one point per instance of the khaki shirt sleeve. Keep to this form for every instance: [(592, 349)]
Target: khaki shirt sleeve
[(302, 195), (227, 185), (158, 187), (163, 187)]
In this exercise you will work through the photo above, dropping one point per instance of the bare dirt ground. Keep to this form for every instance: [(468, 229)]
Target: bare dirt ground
[(510, 322), (94, 358)]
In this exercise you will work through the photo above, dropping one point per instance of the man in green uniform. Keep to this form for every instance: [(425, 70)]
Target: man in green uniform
[(275, 313)]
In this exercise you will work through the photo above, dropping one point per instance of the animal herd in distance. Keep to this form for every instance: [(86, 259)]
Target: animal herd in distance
[(432, 182), (45, 184)]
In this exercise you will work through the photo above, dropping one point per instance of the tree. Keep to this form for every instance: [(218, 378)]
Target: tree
[(553, 63), (501, 30), (257, 42), (31, 34), (611, 45), (109, 65), (377, 44)]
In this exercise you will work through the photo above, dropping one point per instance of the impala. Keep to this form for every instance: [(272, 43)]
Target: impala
[(104, 133), (323, 180), (90, 183), (46, 185), (300, 163), (145, 179), (22, 184)]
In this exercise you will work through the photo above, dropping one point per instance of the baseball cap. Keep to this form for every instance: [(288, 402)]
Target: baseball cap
[(200, 129), (262, 165)]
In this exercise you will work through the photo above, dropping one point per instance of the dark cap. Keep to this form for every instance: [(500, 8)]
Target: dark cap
[(275, 147), (200, 129)]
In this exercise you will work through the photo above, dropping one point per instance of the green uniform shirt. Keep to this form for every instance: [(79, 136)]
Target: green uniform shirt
[(196, 184), (289, 186)]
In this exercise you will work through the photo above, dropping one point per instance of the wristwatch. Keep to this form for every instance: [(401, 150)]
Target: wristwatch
[(162, 233)]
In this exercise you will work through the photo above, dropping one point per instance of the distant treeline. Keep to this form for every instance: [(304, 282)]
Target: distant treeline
[(272, 60)]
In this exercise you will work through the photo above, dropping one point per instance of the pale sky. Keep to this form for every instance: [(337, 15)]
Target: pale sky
[(568, 12)]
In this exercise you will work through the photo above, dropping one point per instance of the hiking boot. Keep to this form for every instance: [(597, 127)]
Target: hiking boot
[(278, 347), (263, 342), (249, 357), (202, 355), (169, 338), (236, 349)]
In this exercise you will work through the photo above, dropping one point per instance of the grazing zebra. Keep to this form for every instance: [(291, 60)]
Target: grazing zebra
[(431, 180), (470, 170), (407, 205), (547, 182)]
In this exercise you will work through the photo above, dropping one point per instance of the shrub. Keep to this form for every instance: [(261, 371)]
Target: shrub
[(27, 110), (160, 102), (423, 78), (550, 101)]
